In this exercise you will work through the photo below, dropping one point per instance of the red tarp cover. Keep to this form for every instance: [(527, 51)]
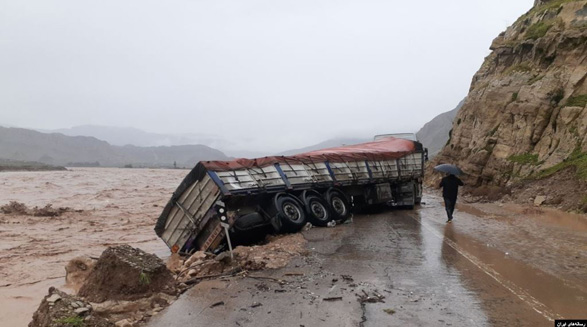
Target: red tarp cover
[(382, 149)]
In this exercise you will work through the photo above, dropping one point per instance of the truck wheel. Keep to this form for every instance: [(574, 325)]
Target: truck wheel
[(290, 213), (318, 211), (339, 205)]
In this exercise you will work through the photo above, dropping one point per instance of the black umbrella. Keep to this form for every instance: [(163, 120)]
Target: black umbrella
[(449, 169)]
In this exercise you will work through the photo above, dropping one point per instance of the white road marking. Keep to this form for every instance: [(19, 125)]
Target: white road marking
[(516, 290)]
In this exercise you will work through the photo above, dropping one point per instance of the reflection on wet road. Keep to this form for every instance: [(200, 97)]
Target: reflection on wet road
[(490, 267)]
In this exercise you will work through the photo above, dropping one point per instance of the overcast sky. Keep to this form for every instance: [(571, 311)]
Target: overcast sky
[(266, 74)]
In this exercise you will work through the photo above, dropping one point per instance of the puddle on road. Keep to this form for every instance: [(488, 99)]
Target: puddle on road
[(553, 217), (561, 298)]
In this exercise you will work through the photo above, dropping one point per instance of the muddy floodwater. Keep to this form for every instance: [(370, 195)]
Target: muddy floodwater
[(115, 206), (495, 265)]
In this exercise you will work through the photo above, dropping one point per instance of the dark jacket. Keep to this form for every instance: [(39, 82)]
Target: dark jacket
[(450, 186)]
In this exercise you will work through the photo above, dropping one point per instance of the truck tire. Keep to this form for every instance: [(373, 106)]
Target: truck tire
[(339, 205), (291, 214), (317, 210)]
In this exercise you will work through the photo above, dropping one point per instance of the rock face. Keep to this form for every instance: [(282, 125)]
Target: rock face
[(526, 110), (127, 273)]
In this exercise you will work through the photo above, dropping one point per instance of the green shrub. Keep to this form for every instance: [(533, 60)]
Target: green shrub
[(577, 101), (524, 159), (577, 159), (144, 279), (514, 96), (73, 321), (538, 30), (555, 4)]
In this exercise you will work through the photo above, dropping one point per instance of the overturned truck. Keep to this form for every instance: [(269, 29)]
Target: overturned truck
[(282, 193)]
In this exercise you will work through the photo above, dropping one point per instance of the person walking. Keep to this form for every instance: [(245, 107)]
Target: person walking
[(450, 189)]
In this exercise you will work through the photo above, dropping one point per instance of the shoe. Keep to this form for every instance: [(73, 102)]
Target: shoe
[(449, 221)]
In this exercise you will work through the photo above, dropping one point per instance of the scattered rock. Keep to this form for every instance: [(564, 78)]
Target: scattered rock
[(174, 263), (194, 258), (57, 310), (539, 200), (81, 311), (54, 298), (124, 323), (223, 257)]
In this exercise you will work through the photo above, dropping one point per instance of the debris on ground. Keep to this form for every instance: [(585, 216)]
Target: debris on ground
[(539, 200), (347, 278), (389, 311), (276, 253), (18, 208), (14, 208), (216, 304), (366, 298), (135, 311), (174, 263), (334, 298), (59, 309), (126, 273)]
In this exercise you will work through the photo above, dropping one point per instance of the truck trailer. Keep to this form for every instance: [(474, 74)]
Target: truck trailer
[(281, 194)]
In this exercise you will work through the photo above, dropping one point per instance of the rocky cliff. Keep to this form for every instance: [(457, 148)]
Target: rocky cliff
[(525, 116)]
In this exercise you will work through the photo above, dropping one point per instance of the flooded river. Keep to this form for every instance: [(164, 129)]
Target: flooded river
[(495, 265)]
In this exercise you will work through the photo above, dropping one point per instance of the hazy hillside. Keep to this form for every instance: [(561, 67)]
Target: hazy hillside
[(59, 149), (323, 145), (134, 136), (435, 133)]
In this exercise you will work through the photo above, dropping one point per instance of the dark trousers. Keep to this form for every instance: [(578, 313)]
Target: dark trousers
[(449, 204)]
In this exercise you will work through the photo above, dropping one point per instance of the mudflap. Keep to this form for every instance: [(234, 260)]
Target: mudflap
[(276, 223), (406, 193)]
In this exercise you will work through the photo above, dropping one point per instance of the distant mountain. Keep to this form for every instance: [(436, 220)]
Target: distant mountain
[(326, 144), (435, 133), (59, 149), (133, 136)]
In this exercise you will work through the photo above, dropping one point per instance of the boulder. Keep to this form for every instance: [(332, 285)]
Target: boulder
[(127, 273)]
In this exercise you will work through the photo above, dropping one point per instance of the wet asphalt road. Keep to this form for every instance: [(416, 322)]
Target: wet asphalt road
[(481, 270)]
